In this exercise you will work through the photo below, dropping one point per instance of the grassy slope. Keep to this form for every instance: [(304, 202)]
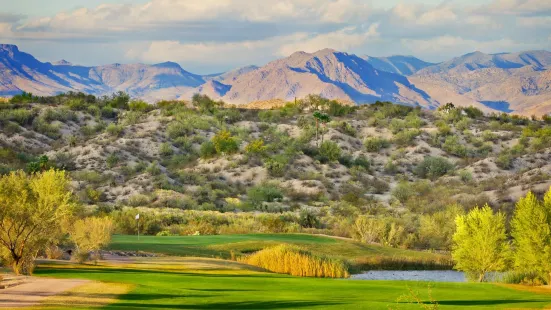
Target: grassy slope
[(222, 245), (222, 288)]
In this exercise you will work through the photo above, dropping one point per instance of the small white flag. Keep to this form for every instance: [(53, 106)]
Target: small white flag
[(138, 216)]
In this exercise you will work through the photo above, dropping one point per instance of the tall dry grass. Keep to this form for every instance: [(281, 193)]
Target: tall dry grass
[(402, 263), (295, 261)]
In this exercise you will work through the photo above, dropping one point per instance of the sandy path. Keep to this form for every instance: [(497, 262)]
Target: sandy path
[(35, 290)]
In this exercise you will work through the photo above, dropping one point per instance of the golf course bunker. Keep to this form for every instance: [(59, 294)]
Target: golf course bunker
[(412, 275)]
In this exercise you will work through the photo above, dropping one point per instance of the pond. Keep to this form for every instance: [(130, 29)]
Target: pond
[(412, 275)]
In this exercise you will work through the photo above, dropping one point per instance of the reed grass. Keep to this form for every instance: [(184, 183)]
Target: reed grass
[(295, 261), (402, 263), (525, 278)]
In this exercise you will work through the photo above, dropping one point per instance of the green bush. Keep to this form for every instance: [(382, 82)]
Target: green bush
[(376, 144), (256, 147), (473, 112), (139, 105), (504, 160), (114, 129), (165, 149), (207, 150), (112, 160), (277, 165), (330, 150), (406, 137), (264, 193), (453, 146), (443, 128), (269, 116), (433, 167), (224, 143)]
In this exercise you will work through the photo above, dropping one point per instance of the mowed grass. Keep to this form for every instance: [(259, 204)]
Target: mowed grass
[(222, 245), (199, 286)]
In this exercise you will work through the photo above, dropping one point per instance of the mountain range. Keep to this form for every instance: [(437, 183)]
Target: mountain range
[(519, 83)]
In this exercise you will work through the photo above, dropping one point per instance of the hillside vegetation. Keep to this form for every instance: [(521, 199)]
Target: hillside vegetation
[(382, 173)]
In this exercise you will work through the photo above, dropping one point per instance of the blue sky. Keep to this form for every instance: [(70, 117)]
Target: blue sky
[(207, 36)]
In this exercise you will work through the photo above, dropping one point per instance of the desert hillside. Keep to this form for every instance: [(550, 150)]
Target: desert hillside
[(381, 159)]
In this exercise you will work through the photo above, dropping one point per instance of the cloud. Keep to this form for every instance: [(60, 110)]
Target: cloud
[(342, 40), (125, 17), (250, 51), (458, 45), (208, 33), (211, 52), (518, 7)]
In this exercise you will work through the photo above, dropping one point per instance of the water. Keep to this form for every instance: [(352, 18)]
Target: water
[(412, 275)]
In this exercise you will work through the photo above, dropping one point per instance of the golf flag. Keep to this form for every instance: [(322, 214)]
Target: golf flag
[(137, 216)]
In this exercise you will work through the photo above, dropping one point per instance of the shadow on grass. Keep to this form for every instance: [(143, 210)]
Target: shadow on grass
[(275, 304), (119, 271), (489, 302)]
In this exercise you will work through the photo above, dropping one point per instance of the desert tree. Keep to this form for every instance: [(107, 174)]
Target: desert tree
[(91, 235), (32, 212), (480, 243), (531, 230)]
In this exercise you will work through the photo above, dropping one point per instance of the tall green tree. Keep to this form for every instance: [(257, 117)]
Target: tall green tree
[(531, 230), (480, 243), (32, 211)]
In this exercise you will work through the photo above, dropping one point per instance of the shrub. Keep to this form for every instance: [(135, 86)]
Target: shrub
[(276, 165), (453, 146), (205, 104), (406, 137), (330, 150), (140, 106), (112, 160), (295, 261), (207, 150), (504, 160), (473, 112), (165, 149), (308, 218), (433, 167), (133, 117), (269, 116), (376, 144), (224, 143), (264, 193), (154, 168), (443, 128), (465, 175), (256, 147), (114, 129)]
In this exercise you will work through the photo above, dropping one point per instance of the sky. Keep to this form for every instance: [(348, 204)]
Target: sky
[(210, 36)]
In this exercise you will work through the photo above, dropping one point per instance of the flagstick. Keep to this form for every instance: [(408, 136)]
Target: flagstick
[(138, 229)]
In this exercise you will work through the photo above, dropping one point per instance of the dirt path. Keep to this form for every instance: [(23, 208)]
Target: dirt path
[(35, 290)]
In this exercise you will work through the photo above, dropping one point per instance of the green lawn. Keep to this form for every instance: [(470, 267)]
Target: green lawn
[(222, 245), (225, 288)]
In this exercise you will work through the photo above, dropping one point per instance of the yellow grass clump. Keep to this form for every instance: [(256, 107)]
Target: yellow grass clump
[(295, 261)]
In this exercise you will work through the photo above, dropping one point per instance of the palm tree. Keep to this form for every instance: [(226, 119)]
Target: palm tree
[(320, 118)]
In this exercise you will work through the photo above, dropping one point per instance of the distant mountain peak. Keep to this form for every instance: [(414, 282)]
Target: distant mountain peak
[(62, 62), (9, 47), (168, 64)]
